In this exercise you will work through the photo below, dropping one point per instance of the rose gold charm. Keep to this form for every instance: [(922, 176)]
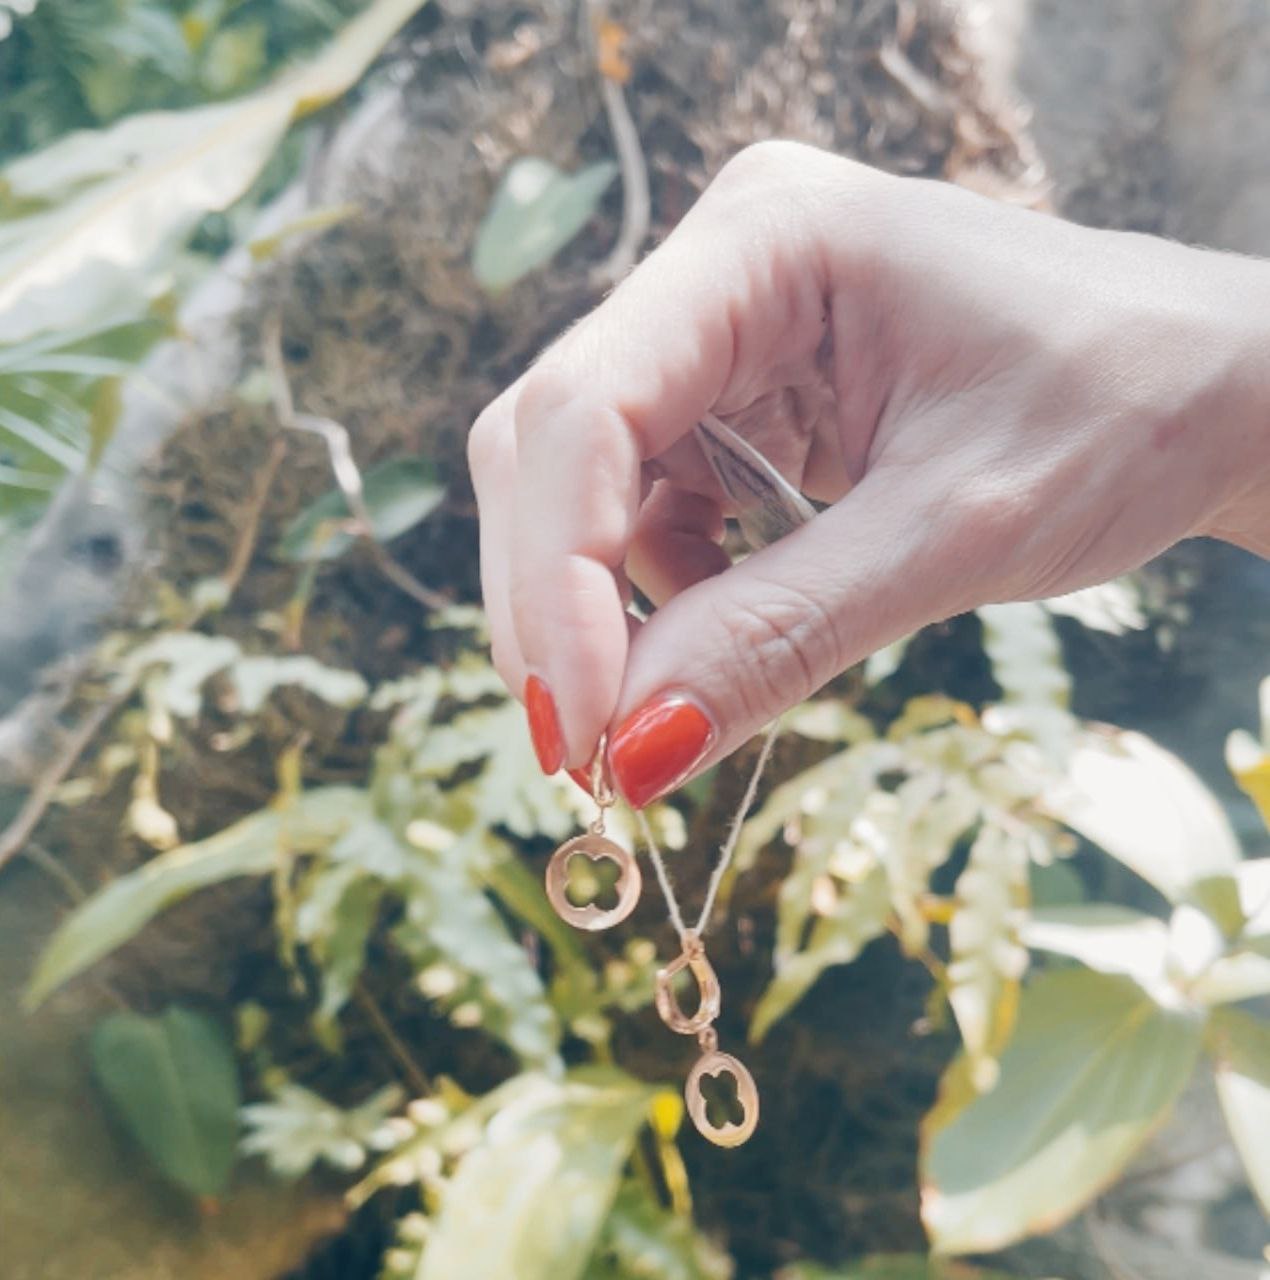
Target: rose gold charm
[(714, 1063), (597, 848), (693, 958)]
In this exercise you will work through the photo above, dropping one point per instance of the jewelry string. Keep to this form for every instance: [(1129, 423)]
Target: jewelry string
[(726, 851)]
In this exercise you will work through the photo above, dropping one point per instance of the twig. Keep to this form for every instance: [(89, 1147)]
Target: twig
[(345, 469), (241, 558), (414, 1073), (636, 201), (18, 832)]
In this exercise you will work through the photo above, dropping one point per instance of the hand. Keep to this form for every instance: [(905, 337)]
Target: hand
[(998, 405)]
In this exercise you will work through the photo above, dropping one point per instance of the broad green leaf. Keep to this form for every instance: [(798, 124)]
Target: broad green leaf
[(257, 677), (1027, 662), (644, 1241), (988, 961), (1147, 809), (253, 846), (1240, 1045), (298, 1129), (532, 1197), (897, 1266), (535, 212), (1093, 1068), (1241, 974), (398, 495), (1108, 938), (105, 210), (186, 660), (174, 1082)]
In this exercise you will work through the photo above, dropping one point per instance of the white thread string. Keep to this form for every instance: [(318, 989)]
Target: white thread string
[(726, 852)]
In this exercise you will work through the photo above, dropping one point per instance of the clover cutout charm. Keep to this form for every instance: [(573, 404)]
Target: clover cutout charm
[(598, 848), (715, 1063)]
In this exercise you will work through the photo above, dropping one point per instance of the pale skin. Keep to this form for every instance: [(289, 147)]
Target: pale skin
[(997, 404)]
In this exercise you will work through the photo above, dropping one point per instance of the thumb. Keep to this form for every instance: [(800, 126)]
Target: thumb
[(727, 655)]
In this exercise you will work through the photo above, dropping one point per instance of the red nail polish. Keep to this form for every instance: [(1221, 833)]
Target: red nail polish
[(658, 745), (582, 777), (544, 725)]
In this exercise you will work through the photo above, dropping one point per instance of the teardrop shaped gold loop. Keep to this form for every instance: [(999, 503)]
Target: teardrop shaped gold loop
[(693, 958), (597, 848), (715, 1063)]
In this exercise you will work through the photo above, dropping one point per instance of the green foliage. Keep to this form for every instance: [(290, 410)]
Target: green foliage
[(174, 1083), (535, 212), (531, 1198), (1249, 758), (78, 64), (1092, 1070), (906, 1266), (398, 495), (1241, 1051), (255, 846), (643, 1241), (298, 1130)]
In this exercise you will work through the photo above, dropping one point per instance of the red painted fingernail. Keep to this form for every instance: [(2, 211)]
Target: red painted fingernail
[(544, 725), (582, 777), (658, 745)]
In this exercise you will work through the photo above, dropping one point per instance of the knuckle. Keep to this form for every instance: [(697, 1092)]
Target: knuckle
[(764, 162), (790, 643), (543, 391)]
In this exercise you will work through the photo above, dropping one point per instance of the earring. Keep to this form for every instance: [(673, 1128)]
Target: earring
[(596, 846)]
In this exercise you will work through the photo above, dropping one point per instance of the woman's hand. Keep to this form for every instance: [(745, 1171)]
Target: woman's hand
[(998, 405)]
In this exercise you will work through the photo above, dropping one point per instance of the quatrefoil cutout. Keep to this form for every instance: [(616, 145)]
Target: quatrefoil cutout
[(713, 1065), (592, 916)]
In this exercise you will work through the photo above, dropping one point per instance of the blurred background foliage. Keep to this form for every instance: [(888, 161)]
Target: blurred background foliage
[(271, 879)]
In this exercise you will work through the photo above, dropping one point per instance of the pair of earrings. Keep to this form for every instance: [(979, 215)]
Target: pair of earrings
[(597, 847)]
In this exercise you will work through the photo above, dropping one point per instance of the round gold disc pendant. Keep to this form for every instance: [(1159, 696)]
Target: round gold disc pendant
[(597, 848), (715, 1063)]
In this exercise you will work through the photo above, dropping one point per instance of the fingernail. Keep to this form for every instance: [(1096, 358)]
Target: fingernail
[(658, 745), (544, 725)]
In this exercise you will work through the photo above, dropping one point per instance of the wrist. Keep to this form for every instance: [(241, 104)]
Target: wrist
[(1239, 427)]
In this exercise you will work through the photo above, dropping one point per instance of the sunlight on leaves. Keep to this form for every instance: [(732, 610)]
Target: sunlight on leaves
[(254, 846), (531, 1199), (1092, 1069), (1240, 1045)]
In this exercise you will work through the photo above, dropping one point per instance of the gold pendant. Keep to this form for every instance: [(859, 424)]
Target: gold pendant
[(692, 958), (597, 847), (712, 1062)]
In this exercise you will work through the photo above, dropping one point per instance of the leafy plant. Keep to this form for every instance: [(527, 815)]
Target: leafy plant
[(535, 212), (174, 1083)]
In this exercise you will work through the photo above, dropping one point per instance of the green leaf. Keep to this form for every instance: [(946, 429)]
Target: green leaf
[(529, 1201), (253, 846), (1146, 809), (1240, 1045), (467, 959), (1094, 1067), (644, 1241), (1108, 938), (1027, 662), (897, 1266), (535, 212), (106, 210), (988, 961), (174, 1083), (298, 1129), (399, 494), (257, 677)]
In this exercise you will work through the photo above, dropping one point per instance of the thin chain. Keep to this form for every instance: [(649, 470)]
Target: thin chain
[(726, 852)]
